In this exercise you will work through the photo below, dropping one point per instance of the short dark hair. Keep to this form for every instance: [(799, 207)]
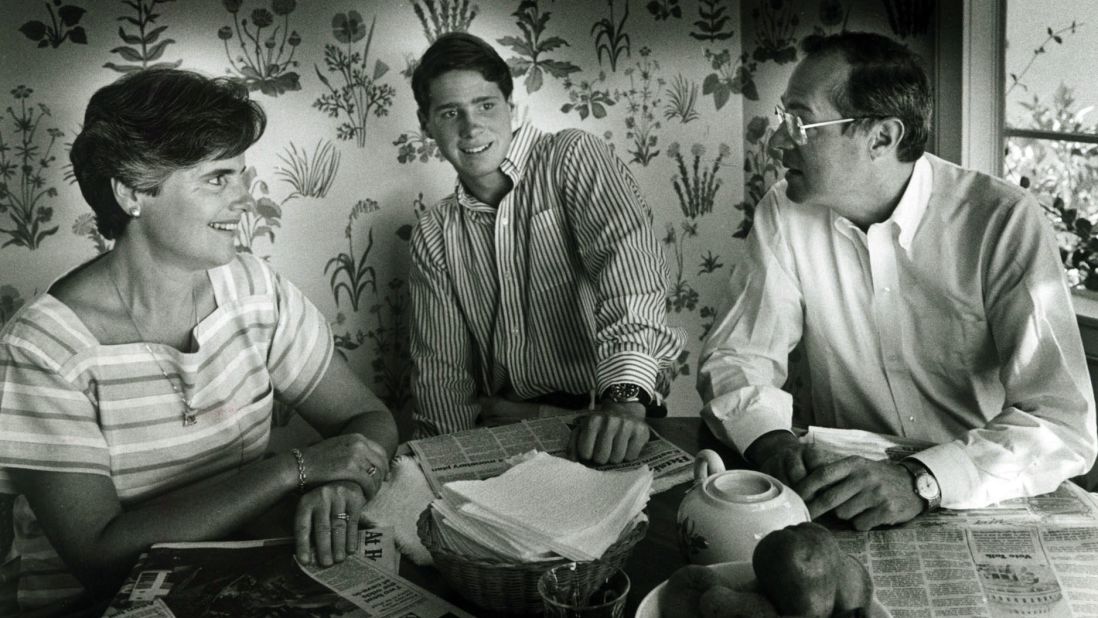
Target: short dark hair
[(150, 123), (458, 51), (886, 80)]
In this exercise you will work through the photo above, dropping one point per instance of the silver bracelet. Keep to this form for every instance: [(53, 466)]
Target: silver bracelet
[(302, 478)]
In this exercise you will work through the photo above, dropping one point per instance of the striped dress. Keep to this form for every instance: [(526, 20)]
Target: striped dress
[(69, 404), (561, 287)]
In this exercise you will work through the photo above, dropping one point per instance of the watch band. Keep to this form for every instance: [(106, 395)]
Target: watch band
[(926, 485), (626, 392)]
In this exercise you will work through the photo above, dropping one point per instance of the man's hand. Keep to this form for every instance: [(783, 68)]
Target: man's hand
[(612, 434), (864, 492), (781, 455)]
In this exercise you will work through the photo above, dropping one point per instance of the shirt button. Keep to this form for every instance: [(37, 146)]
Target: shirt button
[(887, 290), (911, 418), (503, 221)]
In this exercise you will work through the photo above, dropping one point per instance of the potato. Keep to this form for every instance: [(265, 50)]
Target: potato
[(723, 602), (684, 590), (798, 570), (855, 589)]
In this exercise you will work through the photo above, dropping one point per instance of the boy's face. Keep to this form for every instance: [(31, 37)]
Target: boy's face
[(470, 119)]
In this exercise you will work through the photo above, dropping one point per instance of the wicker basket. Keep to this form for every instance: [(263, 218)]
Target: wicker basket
[(512, 588)]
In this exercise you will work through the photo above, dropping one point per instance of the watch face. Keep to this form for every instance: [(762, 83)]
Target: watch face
[(926, 486)]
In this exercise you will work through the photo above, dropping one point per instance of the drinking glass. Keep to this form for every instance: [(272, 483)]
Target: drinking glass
[(566, 595)]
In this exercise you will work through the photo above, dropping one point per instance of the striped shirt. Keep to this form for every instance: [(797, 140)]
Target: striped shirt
[(560, 288), (70, 404)]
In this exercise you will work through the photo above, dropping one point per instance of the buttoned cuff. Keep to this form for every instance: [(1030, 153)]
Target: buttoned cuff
[(739, 418), (632, 367), (956, 475)]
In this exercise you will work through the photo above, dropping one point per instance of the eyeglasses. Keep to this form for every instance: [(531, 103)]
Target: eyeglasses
[(797, 130)]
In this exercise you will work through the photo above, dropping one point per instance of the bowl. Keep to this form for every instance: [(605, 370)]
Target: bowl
[(738, 575)]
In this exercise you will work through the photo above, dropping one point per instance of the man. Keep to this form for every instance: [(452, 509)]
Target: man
[(930, 301), (539, 282)]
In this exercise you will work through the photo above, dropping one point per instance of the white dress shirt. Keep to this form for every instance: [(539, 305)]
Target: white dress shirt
[(950, 322)]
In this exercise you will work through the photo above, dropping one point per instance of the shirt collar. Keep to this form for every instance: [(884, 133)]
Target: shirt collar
[(514, 165), (909, 211)]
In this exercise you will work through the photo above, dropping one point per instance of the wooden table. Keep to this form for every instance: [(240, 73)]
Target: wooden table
[(656, 556)]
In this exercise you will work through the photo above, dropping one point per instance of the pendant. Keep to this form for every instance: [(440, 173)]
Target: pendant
[(189, 419)]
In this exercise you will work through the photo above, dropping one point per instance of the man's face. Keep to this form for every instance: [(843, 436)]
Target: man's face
[(825, 169), (470, 119)]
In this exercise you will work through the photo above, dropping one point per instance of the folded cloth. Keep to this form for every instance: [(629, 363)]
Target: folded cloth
[(547, 502), (398, 503)]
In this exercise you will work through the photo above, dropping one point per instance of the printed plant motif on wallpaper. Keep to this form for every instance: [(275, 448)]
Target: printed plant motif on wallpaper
[(10, 302), (586, 99), (730, 77), (682, 100), (610, 36), (696, 187), (641, 102), (84, 226), (712, 23), (360, 94), (664, 9), (149, 48), (390, 361), (775, 31), (63, 26), (437, 17), (413, 146), (309, 175), (259, 66), (23, 166), (760, 169), (531, 21), (263, 220)]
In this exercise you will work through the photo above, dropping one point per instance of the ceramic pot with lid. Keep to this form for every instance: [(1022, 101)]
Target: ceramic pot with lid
[(726, 513)]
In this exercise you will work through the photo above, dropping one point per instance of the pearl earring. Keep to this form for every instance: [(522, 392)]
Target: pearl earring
[(135, 212)]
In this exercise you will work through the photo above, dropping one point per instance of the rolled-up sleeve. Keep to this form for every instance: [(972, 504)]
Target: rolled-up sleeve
[(743, 362)]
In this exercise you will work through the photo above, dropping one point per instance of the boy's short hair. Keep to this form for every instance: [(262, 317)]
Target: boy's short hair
[(458, 51)]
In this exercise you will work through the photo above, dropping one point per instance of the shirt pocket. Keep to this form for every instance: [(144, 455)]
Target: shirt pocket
[(550, 256)]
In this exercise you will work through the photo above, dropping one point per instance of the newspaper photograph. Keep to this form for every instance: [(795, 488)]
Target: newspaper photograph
[(380, 593), (240, 579), (982, 571), (477, 454)]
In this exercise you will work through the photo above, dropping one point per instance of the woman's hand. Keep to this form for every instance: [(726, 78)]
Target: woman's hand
[(326, 521), (350, 457)]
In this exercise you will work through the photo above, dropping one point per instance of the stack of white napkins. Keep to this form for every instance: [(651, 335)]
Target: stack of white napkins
[(542, 508)]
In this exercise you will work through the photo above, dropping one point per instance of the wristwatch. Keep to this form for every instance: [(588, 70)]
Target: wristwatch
[(625, 392), (926, 486)]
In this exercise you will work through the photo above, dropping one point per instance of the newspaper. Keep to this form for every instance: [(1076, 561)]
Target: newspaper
[(381, 593), (985, 571), (1068, 505), (476, 454), (262, 578)]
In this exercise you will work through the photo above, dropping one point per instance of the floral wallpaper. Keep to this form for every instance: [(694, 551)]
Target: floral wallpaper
[(682, 90)]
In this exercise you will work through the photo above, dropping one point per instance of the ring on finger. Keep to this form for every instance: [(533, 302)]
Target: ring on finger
[(342, 516)]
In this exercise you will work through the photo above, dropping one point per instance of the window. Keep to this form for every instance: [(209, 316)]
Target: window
[(1050, 120)]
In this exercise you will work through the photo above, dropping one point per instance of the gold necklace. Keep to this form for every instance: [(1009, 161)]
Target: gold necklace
[(189, 413)]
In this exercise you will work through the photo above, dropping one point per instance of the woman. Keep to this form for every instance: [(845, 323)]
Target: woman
[(137, 391)]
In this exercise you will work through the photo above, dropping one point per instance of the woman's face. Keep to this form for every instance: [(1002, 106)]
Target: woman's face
[(194, 218)]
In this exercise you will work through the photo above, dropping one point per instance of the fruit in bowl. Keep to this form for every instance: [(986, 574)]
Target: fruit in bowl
[(802, 570), (796, 571)]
